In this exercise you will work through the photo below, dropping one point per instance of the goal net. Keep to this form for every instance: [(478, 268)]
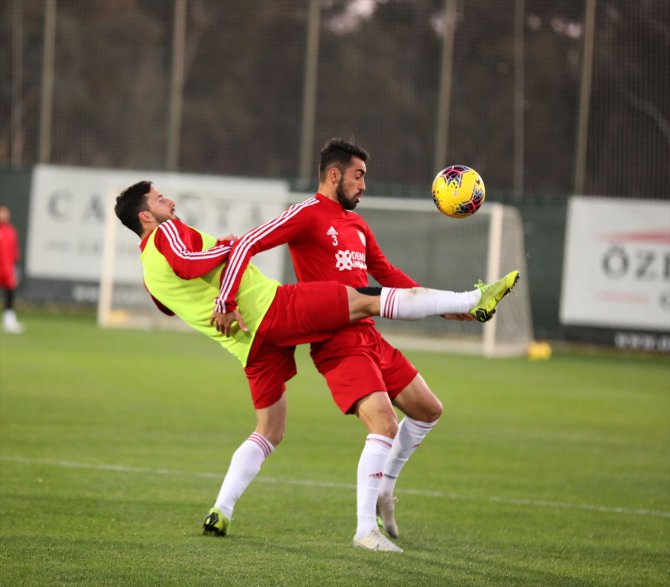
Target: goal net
[(436, 251), (452, 254)]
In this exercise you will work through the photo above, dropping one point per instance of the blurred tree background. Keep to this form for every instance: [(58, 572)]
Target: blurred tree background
[(114, 84)]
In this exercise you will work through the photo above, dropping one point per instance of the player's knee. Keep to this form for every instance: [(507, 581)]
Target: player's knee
[(386, 426), (435, 411), (432, 409), (428, 410), (275, 437), (376, 413), (392, 428), (275, 433), (362, 305)]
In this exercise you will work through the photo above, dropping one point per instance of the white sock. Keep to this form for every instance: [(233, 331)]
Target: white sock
[(370, 473), (244, 466), (421, 302), (410, 435)]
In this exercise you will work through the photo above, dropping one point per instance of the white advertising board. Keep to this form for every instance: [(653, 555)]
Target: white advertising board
[(69, 205), (616, 271)]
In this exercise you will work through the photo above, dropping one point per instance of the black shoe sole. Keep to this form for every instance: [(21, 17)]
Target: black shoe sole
[(209, 529)]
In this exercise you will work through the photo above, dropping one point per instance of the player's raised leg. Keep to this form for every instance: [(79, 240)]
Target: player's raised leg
[(420, 302)]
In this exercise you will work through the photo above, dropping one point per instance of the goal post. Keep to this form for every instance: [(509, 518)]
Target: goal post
[(493, 269), (436, 251)]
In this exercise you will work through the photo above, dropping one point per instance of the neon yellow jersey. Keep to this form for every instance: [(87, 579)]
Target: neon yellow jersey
[(182, 271)]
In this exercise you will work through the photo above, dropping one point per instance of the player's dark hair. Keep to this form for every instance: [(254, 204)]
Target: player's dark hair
[(339, 152), (130, 203)]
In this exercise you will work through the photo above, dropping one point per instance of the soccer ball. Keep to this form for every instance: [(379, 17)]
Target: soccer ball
[(458, 191)]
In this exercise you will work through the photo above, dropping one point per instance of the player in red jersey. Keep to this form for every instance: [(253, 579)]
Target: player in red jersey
[(366, 375), (9, 257)]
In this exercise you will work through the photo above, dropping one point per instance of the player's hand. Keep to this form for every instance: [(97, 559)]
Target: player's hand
[(224, 322), (459, 317), (229, 237)]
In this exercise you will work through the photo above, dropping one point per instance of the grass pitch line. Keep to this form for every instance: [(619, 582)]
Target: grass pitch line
[(347, 486)]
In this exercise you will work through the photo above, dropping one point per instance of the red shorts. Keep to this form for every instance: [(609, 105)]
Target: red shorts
[(7, 278), (356, 361), (299, 314)]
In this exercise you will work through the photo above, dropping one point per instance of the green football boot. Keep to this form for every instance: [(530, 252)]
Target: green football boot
[(492, 293), (216, 524)]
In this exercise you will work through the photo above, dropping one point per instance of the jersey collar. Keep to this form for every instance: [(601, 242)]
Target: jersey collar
[(328, 202)]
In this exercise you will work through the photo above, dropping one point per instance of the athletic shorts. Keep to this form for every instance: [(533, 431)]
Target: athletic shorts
[(8, 279), (356, 361), (300, 313)]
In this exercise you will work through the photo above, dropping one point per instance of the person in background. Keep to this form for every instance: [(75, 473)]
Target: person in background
[(9, 257)]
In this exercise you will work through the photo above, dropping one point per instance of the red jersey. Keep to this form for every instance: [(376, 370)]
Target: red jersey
[(184, 249), (327, 243), (9, 256)]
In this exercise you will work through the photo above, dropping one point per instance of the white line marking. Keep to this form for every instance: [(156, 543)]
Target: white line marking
[(348, 486)]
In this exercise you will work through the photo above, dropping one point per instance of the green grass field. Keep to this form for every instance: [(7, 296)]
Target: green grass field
[(114, 444)]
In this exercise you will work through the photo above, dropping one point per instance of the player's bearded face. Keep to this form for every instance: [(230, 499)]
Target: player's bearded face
[(348, 191), (347, 201)]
